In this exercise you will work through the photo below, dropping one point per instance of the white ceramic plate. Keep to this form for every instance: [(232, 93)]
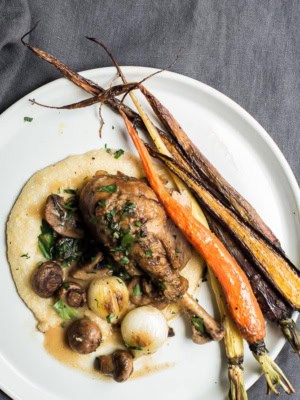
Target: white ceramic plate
[(237, 145)]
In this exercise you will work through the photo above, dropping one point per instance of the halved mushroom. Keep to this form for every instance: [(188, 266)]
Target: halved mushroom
[(89, 270), (119, 365), (63, 217), (204, 327), (73, 294), (84, 336), (47, 278)]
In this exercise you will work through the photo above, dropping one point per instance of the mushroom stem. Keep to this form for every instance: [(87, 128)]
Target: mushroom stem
[(212, 328)]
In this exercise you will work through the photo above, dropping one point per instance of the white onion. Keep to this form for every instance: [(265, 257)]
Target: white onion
[(108, 298), (144, 330)]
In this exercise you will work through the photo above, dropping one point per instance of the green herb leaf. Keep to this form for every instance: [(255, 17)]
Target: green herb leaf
[(71, 191), (45, 227), (64, 311), (127, 240), (129, 207), (68, 250), (108, 189), (116, 235), (143, 233), (148, 253), (137, 223), (102, 203), (124, 261), (71, 204), (198, 323), (139, 348), (46, 240), (137, 290), (118, 153), (107, 149), (110, 317), (28, 119), (27, 256)]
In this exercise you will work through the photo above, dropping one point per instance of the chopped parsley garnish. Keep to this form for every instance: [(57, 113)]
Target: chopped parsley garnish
[(127, 240), (27, 256), (64, 311), (46, 240), (68, 250), (137, 223), (108, 189), (118, 153), (110, 317), (124, 260), (143, 233), (71, 206), (102, 203), (28, 119), (139, 348), (116, 235), (198, 323), (71, 191), (137, 291), (129, 207), (148, 253), (107, 149), (109, 218)]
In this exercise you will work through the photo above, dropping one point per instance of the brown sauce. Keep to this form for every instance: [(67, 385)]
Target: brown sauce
[(150, 368), (55, 344)]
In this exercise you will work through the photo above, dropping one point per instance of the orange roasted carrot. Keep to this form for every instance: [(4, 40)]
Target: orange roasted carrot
[(241, 301)]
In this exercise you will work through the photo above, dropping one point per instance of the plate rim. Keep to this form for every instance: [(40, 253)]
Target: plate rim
[(203, 87)]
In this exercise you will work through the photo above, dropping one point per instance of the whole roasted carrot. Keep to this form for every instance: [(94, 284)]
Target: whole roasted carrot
[(240, 298)]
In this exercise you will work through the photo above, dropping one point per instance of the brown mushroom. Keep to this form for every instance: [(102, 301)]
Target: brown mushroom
[(63, 217), (84, 336), (119, 365), (73, 294), (47, 278)]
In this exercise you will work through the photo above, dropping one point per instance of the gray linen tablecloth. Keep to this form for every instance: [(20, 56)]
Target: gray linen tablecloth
[(249, 50)]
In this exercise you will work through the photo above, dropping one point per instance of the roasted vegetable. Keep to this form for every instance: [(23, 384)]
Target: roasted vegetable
[(119, 365), (239, 295), (144, 330), (275, 266), (77, 79), (241, 301), (84, 336), (108, 297), (274, 307), (234, 347), (205, 169)]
